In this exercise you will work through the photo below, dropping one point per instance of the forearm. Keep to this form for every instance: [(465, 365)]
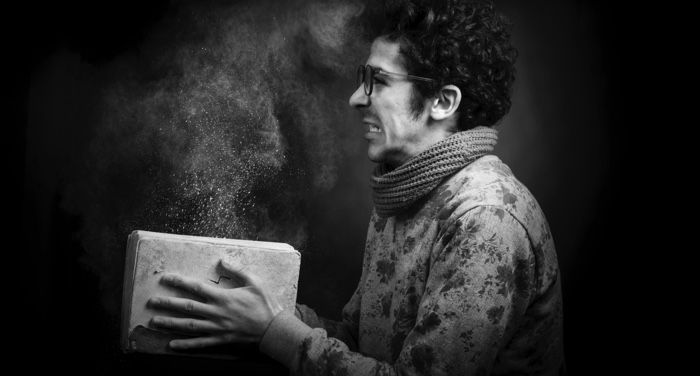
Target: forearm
[(309, 351), (283, 338)]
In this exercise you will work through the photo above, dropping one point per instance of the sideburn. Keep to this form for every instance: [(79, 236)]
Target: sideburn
[(416, 102)]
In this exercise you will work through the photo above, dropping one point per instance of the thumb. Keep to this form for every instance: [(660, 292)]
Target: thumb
[(247, 279)]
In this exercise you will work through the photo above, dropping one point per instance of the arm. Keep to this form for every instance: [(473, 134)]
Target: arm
[(479, 285)]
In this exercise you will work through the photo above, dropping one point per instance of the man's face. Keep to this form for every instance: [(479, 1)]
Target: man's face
[(394, 132)]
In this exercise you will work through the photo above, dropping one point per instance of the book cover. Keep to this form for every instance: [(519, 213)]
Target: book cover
[(150, 254)]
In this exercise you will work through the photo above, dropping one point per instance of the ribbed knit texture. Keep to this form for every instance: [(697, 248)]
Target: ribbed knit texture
[(396, 190)]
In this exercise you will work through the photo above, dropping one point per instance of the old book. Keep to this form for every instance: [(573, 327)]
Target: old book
[(150, 254)]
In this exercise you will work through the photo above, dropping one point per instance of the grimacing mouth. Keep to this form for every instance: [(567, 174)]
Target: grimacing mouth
[(372, 127)]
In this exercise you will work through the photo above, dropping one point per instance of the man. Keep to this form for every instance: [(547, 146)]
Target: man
[(460, 273)]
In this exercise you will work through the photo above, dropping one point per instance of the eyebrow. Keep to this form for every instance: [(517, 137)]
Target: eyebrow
[(383, 69)]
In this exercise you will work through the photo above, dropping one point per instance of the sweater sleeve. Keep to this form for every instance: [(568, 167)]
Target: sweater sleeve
[(345, 330), (479, 285)]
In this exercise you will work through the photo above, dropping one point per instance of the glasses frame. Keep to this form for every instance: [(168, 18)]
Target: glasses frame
[(368, 79)]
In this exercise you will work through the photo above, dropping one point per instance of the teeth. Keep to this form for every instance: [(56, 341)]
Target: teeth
[(374, 129)]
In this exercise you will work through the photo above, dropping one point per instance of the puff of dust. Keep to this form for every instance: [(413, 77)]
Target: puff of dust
[(222, 125)]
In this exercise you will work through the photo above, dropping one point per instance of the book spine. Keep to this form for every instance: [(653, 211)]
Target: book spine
[(129, 268)]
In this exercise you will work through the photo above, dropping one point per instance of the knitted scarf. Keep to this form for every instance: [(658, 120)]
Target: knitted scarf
[(396, 190)]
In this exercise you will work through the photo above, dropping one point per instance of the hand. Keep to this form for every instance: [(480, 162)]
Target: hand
[(237, 315)]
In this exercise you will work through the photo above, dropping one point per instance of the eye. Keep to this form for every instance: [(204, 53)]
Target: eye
[(379, 80)]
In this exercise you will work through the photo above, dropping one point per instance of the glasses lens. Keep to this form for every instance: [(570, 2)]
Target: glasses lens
[(364, 75), (368, 76)]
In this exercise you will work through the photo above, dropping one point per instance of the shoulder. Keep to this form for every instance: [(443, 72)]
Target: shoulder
[(488, 182), (489, 201)]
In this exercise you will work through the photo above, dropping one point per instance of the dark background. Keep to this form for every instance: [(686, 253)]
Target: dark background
[(572, 97)]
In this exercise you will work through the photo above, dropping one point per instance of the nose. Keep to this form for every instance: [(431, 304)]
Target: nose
[(359, 98)]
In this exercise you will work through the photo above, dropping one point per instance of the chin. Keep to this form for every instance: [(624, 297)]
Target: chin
[(375, 156)]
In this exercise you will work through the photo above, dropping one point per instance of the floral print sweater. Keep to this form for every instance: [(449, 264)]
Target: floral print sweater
[(465, 282)]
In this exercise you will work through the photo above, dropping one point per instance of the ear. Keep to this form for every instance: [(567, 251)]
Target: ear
[(446, 103)]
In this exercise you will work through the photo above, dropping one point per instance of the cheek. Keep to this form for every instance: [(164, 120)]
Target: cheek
[(398, 124), (391, 118)]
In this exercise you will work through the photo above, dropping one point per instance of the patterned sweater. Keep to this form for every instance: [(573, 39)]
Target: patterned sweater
[(465, 282)]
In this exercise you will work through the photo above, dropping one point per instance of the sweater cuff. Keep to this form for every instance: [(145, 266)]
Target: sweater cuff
[(283, 337)]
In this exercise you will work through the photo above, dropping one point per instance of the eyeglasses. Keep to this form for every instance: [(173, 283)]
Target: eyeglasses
[(366, 73)]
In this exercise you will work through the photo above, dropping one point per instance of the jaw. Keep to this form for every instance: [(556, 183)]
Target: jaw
[(379, 152), (375, 149)]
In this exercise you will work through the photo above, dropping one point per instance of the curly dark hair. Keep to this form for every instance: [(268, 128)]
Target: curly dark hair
[(463, 43)]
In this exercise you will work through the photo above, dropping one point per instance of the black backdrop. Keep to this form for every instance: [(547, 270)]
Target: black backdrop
[(61, 323)]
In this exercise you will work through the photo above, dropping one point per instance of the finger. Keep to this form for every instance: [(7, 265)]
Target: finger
[(191, 285), (196, 343), (246, 278), (183, 305), (185, 325)]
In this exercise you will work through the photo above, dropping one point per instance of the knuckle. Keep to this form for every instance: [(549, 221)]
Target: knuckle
[(189, 307), (191, 345), (197, 288), (191, 325), (180, 345)]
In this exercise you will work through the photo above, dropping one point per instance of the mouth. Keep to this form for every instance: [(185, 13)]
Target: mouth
[(372, 128)]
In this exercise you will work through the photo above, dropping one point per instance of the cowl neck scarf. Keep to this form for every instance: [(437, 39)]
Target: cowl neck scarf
[(396, 190)]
